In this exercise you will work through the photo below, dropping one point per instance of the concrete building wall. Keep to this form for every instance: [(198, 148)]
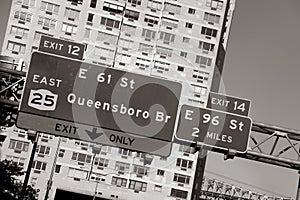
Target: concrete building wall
[(176, 40)]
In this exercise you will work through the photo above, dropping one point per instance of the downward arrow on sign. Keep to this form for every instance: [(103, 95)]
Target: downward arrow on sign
[(93, 134)]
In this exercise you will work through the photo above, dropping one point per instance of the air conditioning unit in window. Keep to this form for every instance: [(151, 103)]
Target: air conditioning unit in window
[(49, 13), (18, 36)]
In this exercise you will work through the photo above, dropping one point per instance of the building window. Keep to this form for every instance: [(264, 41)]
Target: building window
[(33, 181), (26, 3), (164, 52), (125, 44), (186, 40), (122, 167), (145, 48), (191, 11), (209, 32), (87, 33), (49, 8), (160, 172), (135, 2), (37, 35), (93, 3), (19, 32), (180, 68), (61, 153), (128, 29), (214, 4), (203, 61), (90, 18), (206, 46), (199, 92), (77, 173), (80, 157), (179, 193), (142, 63), (201, 77), (105, 150), (43, 150), (101, 162), (119, 182), (151, 20), (172, 8), (184, 164), (169, 23), (181, 178), (69, 29), (161, 66), (148, 34), (104, 53), (113, 8), (57, 169), (132, 15), (158, 188), (47, 23), (109, 23), (184, 148), (123, 58), (212, 18), (188, 25), (17, 160), (23, 17), (183, 54), (72, 14), (125, 152), (138, 186), (38, 165), (167, 38), (34, 48), (75, 2), (107, 38), (16, 48), (154, 5), (141, 170)]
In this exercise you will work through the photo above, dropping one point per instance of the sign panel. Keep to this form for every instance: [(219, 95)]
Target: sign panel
[(85, 101), (213, 128), (228, 104), (61, 47)]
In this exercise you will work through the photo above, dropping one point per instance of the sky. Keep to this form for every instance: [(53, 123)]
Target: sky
[(261, 65)]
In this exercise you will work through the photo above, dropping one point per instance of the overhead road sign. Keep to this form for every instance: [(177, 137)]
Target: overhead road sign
[(61, 47), (78, 100), (213, 128), (228, 104)]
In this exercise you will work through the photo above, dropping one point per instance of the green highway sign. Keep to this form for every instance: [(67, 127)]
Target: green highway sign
[(84, 101), (213, 128)]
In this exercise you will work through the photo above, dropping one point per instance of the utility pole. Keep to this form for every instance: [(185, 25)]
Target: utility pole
[(34, 137), (50, 181)]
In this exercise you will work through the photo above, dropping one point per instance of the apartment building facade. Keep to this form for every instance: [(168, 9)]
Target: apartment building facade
[(180, 40)]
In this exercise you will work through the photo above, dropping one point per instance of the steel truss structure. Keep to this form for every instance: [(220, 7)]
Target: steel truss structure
[(271, 144), (11, 86), (214, 189)]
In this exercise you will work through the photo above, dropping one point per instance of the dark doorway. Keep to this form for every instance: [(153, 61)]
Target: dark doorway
[(63, 195)]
